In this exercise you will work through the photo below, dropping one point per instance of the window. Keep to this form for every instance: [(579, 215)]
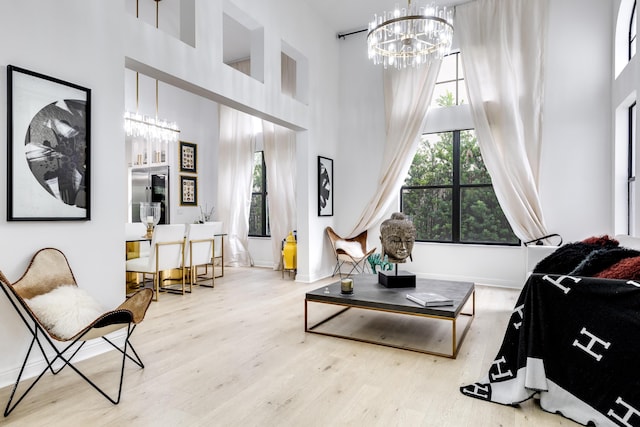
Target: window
[(259, 213), (631, 170), (450, 88), (449, 194), (632, 31)]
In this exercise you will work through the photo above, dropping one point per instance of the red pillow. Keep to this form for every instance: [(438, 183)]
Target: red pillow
[(628, 268), (601, 241)]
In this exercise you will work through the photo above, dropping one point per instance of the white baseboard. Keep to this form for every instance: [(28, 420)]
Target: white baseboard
[(37, 365)]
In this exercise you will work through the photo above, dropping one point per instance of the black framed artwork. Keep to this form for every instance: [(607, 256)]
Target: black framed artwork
[(48, 148), (188, 157), (188, 190), (325, 186)]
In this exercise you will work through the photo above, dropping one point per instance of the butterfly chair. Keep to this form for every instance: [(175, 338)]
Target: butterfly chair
[(57, 311), (351, 250), (199, 251), (166, 253)]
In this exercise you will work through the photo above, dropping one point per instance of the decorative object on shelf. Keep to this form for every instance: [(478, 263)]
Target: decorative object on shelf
[(150, 216), (188, 190), (49, 127), (325, 186), (397, 235), (150, 138), (205, 214), (188, 157), (411, 36)]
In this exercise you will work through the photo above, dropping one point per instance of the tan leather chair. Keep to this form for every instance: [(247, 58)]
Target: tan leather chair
[(57, 311), (351, 250)]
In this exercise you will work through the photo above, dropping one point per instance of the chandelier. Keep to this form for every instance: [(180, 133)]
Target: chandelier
[(411, 36), (150, 137)]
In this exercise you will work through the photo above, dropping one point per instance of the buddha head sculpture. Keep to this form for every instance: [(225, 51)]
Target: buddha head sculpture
[(397, 235)]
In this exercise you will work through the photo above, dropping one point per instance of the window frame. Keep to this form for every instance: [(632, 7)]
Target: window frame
[(264, 230), (632, 36), (456, 197), (631, 168), (457, 80)]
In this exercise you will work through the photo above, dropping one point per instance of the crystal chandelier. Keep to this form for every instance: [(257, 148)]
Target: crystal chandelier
[(151, 138), (410, 36)]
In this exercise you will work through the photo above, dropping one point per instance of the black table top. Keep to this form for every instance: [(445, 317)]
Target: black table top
[(368, 293)]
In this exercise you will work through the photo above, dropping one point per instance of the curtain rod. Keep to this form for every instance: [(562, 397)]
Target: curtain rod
[(345, 35)]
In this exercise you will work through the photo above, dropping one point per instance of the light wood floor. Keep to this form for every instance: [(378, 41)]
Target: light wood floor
[(237, 355)]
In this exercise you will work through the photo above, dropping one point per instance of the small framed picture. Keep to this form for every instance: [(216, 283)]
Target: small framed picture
[(48, 158), (188, 190), (325, 186), (188, 157)]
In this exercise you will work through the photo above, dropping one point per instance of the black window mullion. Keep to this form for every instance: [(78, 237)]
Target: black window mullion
[(264, 197), (455, 209)]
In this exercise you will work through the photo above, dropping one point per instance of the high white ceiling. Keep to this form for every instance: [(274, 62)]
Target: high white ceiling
[(348, 15), (342, 16)]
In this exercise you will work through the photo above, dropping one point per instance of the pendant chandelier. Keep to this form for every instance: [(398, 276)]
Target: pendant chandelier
[(411, 36)]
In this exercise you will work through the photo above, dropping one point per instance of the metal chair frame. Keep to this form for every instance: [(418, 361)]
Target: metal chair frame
[(111, 320)]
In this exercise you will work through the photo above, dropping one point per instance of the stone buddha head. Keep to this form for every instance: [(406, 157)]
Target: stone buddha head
[(397, 235)]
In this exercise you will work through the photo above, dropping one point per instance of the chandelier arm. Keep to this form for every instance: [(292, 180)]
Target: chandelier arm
[(409, 18)]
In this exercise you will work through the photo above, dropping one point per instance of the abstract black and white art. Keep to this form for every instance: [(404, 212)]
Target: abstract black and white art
[(48, 149), (325, 186)]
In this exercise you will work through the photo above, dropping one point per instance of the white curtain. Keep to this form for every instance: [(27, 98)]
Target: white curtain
[(407, 95), (236, 147), (235, 178), (502, 46), (280, 161)]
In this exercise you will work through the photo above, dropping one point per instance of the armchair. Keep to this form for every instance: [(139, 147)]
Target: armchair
[(55, 310), (351, 250)]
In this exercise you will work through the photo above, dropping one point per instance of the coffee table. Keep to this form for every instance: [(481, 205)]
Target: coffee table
[(368, 294)]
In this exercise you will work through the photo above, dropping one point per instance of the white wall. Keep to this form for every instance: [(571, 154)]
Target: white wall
[(79, 42), (200, 70), (91, 44), (576, 166), (197, 120)]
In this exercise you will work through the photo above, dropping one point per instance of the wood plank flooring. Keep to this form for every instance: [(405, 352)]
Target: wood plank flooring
[(237, 355)]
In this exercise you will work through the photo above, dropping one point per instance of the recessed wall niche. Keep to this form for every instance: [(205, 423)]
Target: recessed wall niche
[(242, 42), (294, 70), (174, 17)]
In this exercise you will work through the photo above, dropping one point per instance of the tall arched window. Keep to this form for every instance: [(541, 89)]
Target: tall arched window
[(632, 31)]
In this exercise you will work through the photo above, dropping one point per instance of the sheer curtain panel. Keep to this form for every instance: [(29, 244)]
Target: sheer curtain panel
[(407, 95), (280, 161), (502, 46)]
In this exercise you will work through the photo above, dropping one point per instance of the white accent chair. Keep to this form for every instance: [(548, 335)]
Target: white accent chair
[(199, 251), (167, 253), (134, 232), (218, 246)]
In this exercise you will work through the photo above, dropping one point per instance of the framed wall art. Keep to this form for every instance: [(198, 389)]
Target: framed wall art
[(188, 190), (325, 186), (188, 157), (48, 148)]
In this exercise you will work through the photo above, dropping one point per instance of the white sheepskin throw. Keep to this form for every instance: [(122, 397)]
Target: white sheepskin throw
[(352, 248), (66, 310)]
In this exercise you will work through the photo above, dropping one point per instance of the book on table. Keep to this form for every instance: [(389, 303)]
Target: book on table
[(429, 299)]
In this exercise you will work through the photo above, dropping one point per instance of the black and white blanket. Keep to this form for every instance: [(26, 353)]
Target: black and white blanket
[(575, 342)]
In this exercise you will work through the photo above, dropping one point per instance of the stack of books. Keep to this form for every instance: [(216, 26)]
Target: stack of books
[(429, 299)]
